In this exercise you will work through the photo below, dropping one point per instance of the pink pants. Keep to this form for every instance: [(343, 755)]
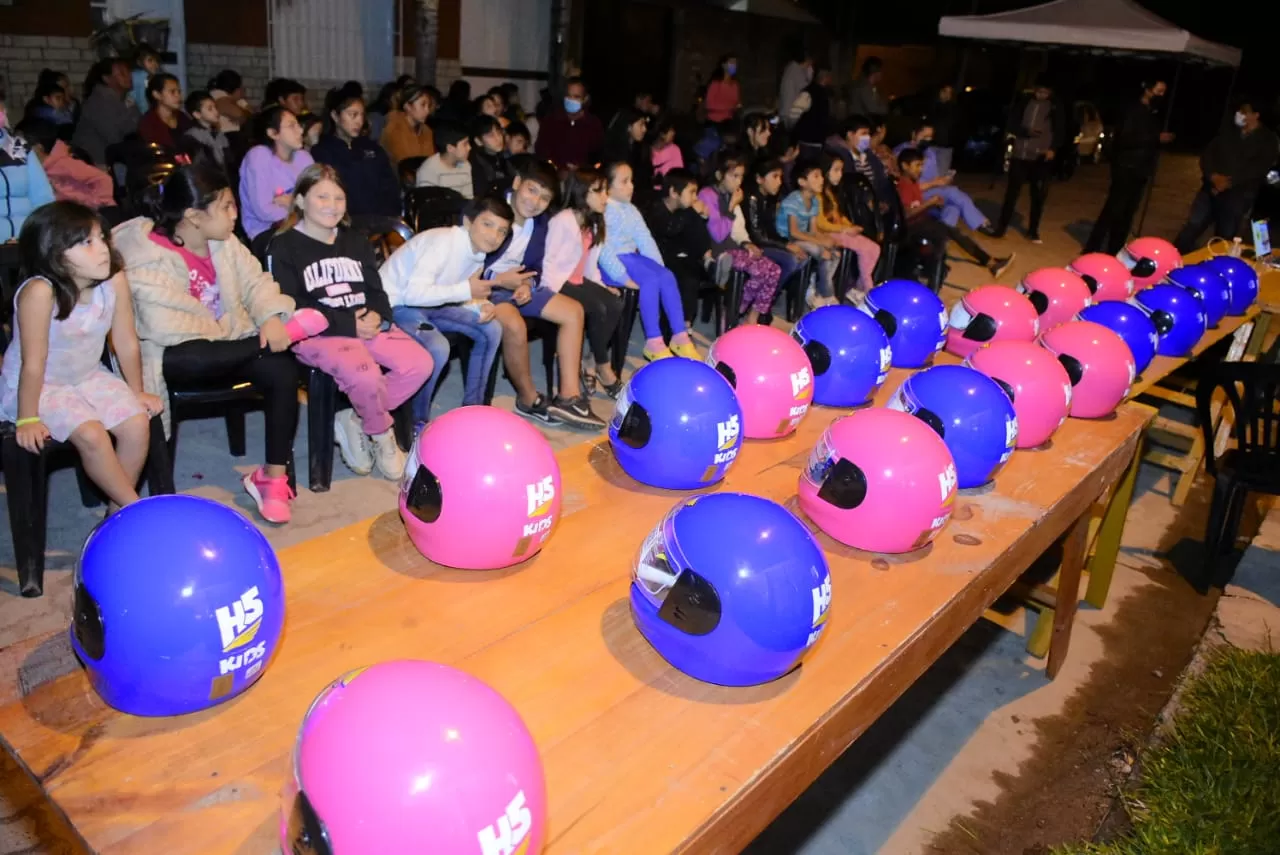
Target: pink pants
[(868, 253), (356, 364), (762, 280)]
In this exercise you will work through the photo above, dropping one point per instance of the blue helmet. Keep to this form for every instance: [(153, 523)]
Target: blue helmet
[(849, 352), (1131, 323), (179, 604), (731, 589), (1242, 282), (1178, 315), (972, 414), (678, 425), (1207, 284), (912, 316)]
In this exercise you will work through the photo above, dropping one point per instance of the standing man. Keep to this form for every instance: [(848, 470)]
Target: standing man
[(1234, 167), (1036, 125), (865, 98), (571, 135), (1133, 163), (795, 77), (943, 113)]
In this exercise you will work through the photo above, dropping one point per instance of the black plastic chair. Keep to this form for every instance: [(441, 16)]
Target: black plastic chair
[(324, 400), (433, 207), (1253, 466), (407, 170), (26, 482), (232, 402)]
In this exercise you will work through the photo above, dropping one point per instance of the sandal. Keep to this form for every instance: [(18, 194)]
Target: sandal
[(611, 389)]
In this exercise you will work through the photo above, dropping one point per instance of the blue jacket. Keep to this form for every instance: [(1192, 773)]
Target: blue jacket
[(366, 172), (534, 253), (23, 185)]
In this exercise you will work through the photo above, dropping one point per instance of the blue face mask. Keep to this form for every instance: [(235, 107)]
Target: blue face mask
[(572, 105), (864, 144), (731, 68)]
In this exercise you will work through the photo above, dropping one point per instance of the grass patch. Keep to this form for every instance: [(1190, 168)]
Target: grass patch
[(1213, 786)]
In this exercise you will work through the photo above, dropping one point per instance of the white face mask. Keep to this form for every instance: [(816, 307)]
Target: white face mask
[(1239, 120)]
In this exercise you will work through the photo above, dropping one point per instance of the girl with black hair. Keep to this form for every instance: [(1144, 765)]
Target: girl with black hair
[(571, 267), (53, 384), (208, 314), (626, 142), (270, 170), (227, 89), (164, 123), (373, 192)]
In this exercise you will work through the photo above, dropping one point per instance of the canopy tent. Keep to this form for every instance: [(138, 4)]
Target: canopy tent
[(1108, 26)]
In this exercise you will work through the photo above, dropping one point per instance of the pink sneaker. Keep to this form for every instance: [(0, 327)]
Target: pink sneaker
[(272, 496), (305, 323)]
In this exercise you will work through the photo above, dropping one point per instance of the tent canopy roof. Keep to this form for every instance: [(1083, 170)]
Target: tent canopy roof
[(1110, 26)]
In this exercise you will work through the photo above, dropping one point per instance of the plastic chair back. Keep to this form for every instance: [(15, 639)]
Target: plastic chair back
[(1253, 391)]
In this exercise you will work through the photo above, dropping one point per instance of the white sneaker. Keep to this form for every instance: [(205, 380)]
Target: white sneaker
[(811, 298), (387, 455), (349, 434)]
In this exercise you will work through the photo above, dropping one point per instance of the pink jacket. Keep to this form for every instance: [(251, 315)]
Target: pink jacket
[(666, 159), (76, 181)]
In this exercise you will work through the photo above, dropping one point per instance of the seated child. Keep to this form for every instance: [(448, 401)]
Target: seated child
[(835, 223), (450, 166), (762, 219), (682, 237), (797, 221), (324, 265), (206, 132), (722, 207), (53, 384), (630, 259)]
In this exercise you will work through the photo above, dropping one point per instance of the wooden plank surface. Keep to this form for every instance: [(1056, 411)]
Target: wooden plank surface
[(639, 758)]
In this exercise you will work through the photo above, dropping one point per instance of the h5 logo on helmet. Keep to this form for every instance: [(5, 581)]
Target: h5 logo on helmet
[(507, 835), (947, 483), (727, 433), (800, 381), (239, 622), (541, 495)]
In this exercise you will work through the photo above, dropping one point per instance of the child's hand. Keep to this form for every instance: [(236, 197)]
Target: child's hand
[(632, 284), (753, 250), (700, 207), (736, 199), (284, 200), (511, 280), (368, 324), (153, 404), (798, 251), (32, 437), (522, 294), (274, 335), (487, 312), (854, 230)]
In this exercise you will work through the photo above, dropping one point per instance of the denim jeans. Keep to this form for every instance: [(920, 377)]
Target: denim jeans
[(428, 326)]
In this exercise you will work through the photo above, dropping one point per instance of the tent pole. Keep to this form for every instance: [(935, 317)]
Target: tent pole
[(1231, 90), (1168, 114)]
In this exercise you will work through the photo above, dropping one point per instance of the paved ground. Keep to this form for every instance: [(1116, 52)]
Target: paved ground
[(943, 749)]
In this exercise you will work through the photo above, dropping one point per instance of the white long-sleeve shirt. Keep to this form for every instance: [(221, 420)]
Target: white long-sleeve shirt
[(432, 269)]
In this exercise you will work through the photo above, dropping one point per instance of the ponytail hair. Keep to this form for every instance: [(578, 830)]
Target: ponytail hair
[(196, 186), (308, 179)]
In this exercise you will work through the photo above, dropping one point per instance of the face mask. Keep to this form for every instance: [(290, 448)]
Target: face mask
[(572, 105), (864, 144), (1239, 120), (731, 68)]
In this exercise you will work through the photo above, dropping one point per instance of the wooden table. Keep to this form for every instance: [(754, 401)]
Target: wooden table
[(639, 757)]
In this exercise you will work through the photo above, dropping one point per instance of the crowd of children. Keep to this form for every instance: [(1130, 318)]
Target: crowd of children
[(552, 239)]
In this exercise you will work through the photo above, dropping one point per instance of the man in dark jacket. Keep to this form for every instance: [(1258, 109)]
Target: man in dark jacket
[(812, 127), (1036, 125), (1133, 162), (1234, 167), (571, 135)]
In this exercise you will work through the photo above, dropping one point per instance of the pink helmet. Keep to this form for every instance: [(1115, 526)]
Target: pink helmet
[(1106, 277), (1057, 294), (481, 490), (1149, 260), (412, 756), (1036, 382), (990, 313), (771, 374), (880, 480), (1098, 362)]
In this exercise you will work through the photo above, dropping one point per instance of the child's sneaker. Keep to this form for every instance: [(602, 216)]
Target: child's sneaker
[(654, 355), (388, 456), (305, 323), (272, 496), (352, 442)]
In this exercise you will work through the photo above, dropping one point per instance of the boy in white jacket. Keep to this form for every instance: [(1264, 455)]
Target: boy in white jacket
[(434, 285)]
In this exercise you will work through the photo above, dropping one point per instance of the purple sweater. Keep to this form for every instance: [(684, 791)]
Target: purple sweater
[(719, 220), (263, 176)]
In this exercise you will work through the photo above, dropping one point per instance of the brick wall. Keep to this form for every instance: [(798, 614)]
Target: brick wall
[(252, 63), (22, 57)]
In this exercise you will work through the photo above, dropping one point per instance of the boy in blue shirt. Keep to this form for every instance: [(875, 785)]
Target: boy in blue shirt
[(797, 221)]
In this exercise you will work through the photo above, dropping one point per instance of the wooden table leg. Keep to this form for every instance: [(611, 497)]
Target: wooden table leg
[(1102, 564), (1257, 339), (1073, 555)]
